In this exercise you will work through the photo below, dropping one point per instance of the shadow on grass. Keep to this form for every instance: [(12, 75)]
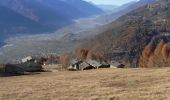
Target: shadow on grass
[(17, 74)]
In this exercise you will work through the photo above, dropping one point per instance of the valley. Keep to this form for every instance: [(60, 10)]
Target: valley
[(64, 40)]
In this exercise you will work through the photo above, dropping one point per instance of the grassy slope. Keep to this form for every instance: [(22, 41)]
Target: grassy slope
[(118, 84)]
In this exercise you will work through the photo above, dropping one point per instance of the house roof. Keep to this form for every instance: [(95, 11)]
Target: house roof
[(75, 61), (26, 59), (114, 63), (85, 64), (94, 63)]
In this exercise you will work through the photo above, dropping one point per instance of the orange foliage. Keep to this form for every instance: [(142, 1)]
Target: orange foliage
[(148, 51), (158, 58), (94, 56), (151, 61), (159, 48), (165, 52), (65, 60), (85, 54), (82, 53)]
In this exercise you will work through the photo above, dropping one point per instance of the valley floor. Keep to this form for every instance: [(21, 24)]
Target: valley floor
[(103, 84)]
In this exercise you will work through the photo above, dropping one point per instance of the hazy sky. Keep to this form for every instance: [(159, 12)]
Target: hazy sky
[(111, 2)]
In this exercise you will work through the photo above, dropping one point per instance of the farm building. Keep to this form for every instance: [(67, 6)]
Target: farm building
[(75, 65), (80, 65), (115, 64), (105, 65), (28, 65), (86, 66), (29, 58), (94, 63)]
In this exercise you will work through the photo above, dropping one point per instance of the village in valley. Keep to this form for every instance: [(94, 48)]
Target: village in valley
[(84, 60)]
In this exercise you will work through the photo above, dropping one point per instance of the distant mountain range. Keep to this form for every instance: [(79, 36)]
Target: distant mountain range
[(122, 10), (99, 24), (107, 8), (40, 16)]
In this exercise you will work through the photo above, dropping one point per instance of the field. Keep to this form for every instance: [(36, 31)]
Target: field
[(102, 84)]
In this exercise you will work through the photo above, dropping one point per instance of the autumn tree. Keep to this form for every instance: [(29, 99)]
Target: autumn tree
[(82, 53), (151, 61), (165, 52), (157, 59), (147, 52), (159, 48), (65, 61), (95, 56)]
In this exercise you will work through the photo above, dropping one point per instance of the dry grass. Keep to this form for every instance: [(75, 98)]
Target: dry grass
[(105, 84)]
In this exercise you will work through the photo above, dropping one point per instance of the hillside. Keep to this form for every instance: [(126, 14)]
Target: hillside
[(40, 16), (85, 28), (105, 84), (122, 10), (12, 22), (125, 38)]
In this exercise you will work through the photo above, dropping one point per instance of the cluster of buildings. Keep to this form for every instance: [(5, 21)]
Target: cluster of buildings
[(92, 64), (30, 64)]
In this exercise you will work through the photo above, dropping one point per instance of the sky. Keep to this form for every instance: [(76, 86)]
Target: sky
[(111, 2)]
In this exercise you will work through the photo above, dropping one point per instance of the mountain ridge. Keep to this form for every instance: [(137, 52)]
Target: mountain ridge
[(46, 16), (126, 38)]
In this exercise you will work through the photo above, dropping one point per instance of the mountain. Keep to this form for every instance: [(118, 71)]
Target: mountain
[(85, 7), (125, 39), (12, 22), (40, 16), (96, 25), (122, 10), (108, 8)]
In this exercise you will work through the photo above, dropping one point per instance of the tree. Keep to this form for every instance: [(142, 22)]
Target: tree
[(147, 52), (159, 48), (95, 56), (82, 53), (65, 61), (165, 52)]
